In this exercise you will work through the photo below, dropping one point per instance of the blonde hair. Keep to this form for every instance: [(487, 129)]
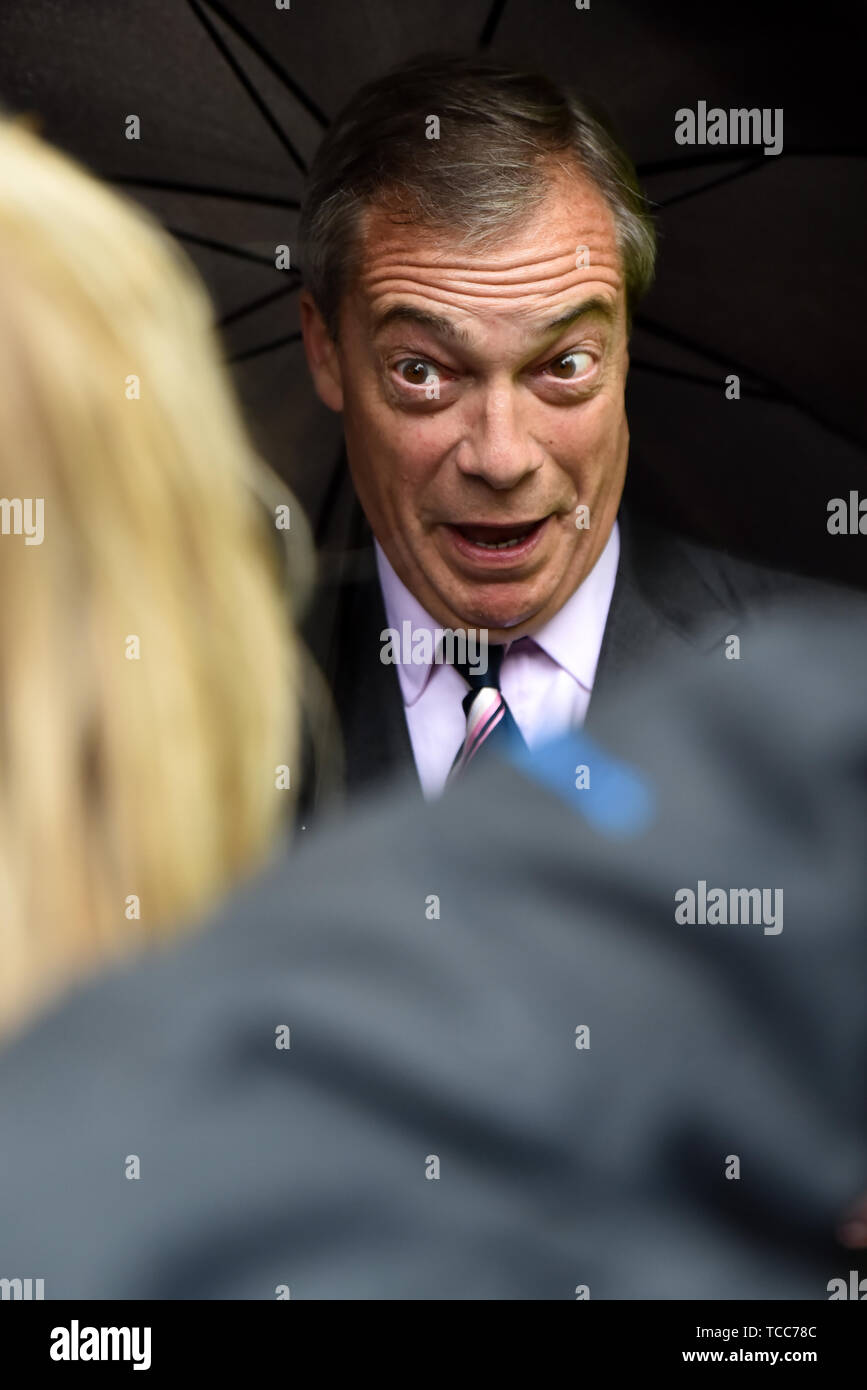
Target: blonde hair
[(125, 775)]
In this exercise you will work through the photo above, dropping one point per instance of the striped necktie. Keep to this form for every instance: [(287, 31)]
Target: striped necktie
[(491, 725)]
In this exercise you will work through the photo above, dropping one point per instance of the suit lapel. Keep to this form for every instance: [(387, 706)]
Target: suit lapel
[(363, 737), (634, 627), (663, 604), (367, 691)]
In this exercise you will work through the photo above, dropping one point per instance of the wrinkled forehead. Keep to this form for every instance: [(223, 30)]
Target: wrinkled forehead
[(564, 244)]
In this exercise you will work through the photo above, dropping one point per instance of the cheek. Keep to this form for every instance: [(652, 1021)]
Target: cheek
[(412, 447), (590, 440), (396, 462)]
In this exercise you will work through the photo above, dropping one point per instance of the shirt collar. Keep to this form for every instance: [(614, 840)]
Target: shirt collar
[(400, 607), (572, 638)]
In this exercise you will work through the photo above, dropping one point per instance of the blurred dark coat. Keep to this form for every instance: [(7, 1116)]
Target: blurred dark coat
[(434, 965)]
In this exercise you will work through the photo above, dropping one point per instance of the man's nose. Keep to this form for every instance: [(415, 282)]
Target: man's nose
[(498, 446)]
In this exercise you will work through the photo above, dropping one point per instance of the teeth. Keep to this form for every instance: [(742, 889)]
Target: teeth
[(499, 545)]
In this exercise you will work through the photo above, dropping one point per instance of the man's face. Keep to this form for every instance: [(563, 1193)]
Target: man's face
[(473, 492)]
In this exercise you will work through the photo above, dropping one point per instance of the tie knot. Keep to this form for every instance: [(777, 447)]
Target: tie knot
[(489, 679)]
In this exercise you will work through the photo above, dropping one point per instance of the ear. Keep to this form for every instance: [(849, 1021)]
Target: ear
[(321, 353)]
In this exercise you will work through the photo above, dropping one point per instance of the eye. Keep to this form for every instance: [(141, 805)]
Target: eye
[(570, 366), (415, 371)]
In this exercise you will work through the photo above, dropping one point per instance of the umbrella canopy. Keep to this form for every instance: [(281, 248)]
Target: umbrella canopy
[(761, 271)]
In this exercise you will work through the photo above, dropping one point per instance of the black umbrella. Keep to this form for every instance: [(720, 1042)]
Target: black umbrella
[(761, 273)]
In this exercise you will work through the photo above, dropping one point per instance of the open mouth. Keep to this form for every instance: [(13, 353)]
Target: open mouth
[(497, 543), (497, 537)]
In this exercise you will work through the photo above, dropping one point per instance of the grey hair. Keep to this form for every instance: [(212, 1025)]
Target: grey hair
[(501, 128)]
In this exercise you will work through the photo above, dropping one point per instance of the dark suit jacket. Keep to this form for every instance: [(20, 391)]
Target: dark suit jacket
[(429, 1127), (671, 596)]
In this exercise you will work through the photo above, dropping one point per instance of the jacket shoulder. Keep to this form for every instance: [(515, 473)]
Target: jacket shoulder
[(689, 580)]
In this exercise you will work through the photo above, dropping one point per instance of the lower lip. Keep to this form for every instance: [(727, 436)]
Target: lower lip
[(486, 558)]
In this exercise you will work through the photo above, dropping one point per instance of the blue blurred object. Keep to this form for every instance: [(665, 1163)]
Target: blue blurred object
[(611, 796)]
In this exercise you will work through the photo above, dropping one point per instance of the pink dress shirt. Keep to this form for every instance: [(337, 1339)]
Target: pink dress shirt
[(546, 679)]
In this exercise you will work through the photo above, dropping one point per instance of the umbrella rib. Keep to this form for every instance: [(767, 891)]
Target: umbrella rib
[(697, 161), (489, 28), (712, 183), (257, 100), (210, 244), (259, 303), (678, 374), (265, 347), (203, 190), (270, 62), (774, 390), (660, 330)]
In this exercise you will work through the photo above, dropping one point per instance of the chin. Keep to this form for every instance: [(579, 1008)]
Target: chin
[(496, 620)]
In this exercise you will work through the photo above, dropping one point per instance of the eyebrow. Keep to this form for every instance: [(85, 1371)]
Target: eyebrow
[(448, 329), (423, 318), (595, 305)]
